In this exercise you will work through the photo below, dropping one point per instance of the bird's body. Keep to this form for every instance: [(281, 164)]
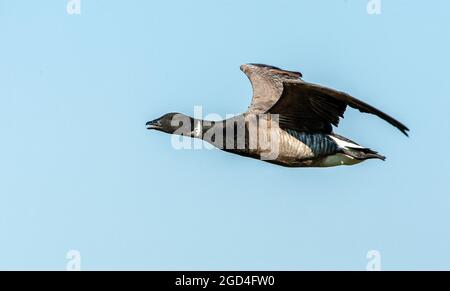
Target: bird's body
[(287, 147), (288, 123)]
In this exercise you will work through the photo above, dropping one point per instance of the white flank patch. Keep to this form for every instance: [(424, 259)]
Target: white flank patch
[(345, 144), (339, 160)]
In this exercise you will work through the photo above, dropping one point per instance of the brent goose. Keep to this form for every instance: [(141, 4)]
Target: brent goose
[(288, 123)]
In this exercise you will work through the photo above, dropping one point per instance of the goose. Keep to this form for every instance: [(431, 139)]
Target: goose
[(289, 123)]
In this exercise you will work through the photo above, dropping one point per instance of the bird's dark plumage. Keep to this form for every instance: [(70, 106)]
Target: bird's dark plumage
[(300, 118), (303, 106)]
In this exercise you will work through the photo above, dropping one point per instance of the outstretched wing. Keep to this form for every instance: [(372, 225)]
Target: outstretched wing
[(302, 106), (309, 107), (267, 83)]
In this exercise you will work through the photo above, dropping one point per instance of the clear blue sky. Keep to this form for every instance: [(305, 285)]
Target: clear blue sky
[(79, 171)]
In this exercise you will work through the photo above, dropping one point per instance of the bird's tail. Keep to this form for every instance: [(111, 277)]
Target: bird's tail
[(355, 150), (362, 153)]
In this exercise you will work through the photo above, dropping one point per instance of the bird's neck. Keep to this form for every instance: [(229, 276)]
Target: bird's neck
[(201, 127), (229, 134)]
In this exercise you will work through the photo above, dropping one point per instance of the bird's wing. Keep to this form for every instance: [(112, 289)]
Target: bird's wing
[(302, 106), (267, 84), (308, 107)]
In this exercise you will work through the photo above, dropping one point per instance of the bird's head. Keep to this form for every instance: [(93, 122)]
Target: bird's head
[(173, 123)]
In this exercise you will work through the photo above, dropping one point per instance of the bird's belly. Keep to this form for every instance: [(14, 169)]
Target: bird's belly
[(337, 160), (312, 151), (307, 150), (293, 153)]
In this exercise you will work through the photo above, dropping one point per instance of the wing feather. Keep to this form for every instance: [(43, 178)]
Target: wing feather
[(300, 105)]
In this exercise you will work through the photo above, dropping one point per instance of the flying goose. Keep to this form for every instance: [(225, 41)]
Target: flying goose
[(289, 123)]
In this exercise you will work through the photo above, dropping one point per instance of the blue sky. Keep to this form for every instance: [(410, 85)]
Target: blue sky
[(79, 171)]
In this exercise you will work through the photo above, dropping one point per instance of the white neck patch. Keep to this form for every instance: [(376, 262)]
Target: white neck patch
[(198, 129)]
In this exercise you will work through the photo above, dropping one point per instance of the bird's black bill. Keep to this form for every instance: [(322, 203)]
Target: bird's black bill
[(154, 124)]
